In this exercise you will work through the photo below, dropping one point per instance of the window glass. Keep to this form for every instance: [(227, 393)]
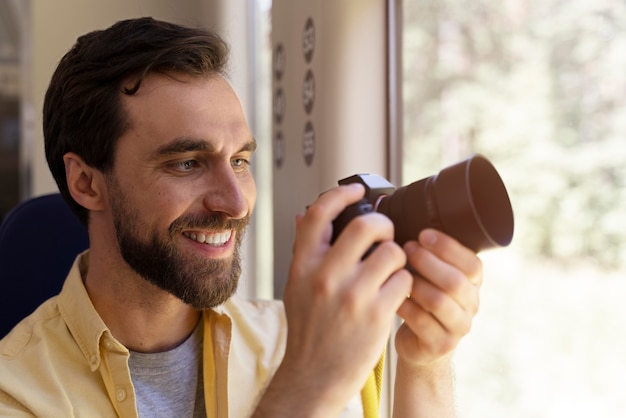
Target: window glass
[(539, 88)]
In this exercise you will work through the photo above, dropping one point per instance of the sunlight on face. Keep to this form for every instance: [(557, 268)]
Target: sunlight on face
[(181, 192)]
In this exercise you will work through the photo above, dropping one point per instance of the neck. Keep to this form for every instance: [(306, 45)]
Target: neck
[(143, 317)]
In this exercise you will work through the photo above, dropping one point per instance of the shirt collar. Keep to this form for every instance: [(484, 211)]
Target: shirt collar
[(81, 317), (87, 327)]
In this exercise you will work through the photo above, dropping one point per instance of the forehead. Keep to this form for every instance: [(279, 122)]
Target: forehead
[(170, 106)]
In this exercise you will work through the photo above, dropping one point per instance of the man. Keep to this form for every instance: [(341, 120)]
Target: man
[(148, 143)]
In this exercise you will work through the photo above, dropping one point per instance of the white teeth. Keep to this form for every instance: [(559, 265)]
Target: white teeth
[(215, 239)]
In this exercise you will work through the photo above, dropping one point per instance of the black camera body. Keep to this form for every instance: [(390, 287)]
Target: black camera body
[(467, 201)]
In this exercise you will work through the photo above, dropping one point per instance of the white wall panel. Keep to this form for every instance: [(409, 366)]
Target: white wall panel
[(346, 45)]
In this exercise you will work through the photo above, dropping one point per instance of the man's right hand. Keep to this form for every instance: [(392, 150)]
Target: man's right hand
[(339, 307)]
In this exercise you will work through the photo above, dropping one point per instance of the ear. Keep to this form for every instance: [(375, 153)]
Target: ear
[(85, 183)]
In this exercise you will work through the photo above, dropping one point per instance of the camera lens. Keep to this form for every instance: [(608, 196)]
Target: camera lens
[(468, 201)]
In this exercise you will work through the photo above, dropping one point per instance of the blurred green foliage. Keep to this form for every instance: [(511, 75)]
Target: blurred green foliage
[(538, 87)]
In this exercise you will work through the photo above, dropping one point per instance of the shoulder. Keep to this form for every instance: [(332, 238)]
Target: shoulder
[(41, 324), (29, 358)]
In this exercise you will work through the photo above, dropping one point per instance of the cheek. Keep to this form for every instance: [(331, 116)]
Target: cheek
[(157, 206), (167, 205)]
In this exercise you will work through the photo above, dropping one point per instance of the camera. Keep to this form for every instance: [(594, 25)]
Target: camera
[(467, 201)]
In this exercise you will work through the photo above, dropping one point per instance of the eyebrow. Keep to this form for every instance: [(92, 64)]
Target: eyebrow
[(185, 144)]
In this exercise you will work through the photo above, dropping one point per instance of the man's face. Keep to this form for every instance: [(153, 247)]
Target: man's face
[(181, 192)]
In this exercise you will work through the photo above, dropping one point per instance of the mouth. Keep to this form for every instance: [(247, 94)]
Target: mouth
[(214, 239)]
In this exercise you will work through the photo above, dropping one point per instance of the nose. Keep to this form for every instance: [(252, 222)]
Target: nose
[(228, 192)]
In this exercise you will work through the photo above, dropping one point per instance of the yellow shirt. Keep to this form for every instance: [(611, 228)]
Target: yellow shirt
[(62, 360)]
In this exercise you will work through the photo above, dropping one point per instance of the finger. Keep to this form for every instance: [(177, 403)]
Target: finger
[(312, 227), (361, 233), (421, 337), (445, 277), (379, 309), (452, 316), (395, 289), (377, 269), (451, 251), (419, 320), (390, 297), (343, 266)]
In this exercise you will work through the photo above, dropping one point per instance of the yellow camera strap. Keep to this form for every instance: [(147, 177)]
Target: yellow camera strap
[(371, 392)]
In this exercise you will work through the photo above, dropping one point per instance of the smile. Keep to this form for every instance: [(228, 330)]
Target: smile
[(216, 239)]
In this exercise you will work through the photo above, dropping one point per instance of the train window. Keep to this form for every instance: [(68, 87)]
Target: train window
[(539, 87)]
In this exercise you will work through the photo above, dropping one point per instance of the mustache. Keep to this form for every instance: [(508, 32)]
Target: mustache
[(214, 221)]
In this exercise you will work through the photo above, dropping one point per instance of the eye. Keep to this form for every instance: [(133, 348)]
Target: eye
[(185, 165), (240, 163)]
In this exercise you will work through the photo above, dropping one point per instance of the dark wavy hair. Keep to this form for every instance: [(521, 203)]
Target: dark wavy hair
[(82, 111)]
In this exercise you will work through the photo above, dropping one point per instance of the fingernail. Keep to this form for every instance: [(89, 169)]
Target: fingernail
[(428, 237)]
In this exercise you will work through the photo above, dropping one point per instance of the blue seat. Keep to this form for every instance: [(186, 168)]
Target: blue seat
[(39, 240)]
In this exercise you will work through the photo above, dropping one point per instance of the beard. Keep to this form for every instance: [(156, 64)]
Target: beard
[(198, 281)]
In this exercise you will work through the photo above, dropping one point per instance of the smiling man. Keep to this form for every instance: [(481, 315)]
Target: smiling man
[(178, 198), (149, 145)]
